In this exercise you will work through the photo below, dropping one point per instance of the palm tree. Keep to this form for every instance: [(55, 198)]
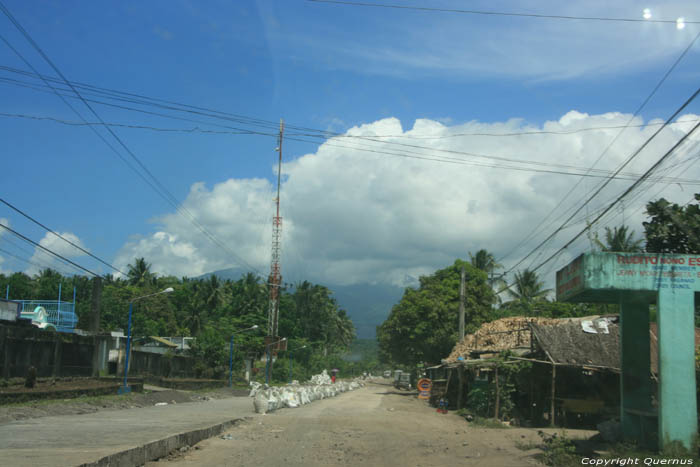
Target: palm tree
[(618, 239), (140, 272), (213, 293), (485, 261), (528, 287)]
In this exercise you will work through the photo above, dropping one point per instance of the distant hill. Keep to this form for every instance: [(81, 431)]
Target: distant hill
[(368, 305)]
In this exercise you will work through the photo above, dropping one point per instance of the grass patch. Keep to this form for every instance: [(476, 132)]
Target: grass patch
[(558, 450), (526, 445), (487, 423), (480, 421)]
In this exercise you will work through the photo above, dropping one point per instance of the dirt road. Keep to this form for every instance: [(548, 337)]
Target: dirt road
[(373, 426)]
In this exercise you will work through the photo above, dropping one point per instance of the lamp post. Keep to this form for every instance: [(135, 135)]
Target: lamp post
[(230, 357), (290, 362), (125, 389), (269, 359)]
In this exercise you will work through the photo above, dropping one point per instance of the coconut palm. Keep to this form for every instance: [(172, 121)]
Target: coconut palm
[(618, 239), (485, 261), (140, 272), (528, 287)]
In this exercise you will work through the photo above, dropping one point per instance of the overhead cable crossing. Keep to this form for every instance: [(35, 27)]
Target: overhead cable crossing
[(19, 211), (26, 239), (159, 188), (502, 13), (629, 159)]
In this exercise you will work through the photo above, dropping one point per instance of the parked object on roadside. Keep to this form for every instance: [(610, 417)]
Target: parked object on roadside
[(404, 381), (30, 381)]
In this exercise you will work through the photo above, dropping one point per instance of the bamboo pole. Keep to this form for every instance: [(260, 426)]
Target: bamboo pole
[(554, 382), (498, 397)]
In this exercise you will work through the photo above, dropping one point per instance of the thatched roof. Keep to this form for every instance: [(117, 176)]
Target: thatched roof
[(497, 336), (567, 343)]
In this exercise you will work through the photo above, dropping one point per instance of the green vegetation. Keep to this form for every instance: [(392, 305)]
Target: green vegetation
[(423, 326), (558, 451), (210, 310), (673, 228)]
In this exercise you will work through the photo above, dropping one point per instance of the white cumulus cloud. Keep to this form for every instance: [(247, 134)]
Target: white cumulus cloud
[(356, 216), (58, 246)]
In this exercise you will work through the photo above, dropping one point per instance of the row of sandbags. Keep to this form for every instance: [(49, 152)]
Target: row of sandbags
[(295, 395)]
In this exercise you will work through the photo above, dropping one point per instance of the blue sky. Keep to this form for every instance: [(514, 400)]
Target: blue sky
[(351, 216)]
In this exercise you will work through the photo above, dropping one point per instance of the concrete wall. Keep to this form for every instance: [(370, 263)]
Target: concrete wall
[(51, 353), (62, 354), (156, 364)]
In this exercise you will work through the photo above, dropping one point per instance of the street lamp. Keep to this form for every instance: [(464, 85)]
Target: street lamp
[(126, 389), (269, 359), (230, 358), (290, 362)]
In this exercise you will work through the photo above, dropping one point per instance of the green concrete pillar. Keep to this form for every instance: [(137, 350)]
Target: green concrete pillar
[(635, 383), (677, 403)]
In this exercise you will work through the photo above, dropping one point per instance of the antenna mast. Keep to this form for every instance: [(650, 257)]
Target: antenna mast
[(275, 278)]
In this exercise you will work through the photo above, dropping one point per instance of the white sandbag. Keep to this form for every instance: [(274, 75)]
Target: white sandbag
[(254, 388), (260, 403)]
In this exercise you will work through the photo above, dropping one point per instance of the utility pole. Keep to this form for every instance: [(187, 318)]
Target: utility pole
[(275, 278), (461, 305), (275, 269)]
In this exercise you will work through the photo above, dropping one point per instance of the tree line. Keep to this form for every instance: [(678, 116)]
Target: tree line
[(423, 326), (210, 309)]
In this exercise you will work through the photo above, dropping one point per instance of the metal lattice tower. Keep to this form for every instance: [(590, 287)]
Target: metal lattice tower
[(275, 278)]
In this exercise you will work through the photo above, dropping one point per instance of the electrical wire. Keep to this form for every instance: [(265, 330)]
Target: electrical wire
[(47, 250), (605, 151), (19, 211), (625, 193), (606, 182), (41, 265), (502, 13), (600, 173), (161, 190)]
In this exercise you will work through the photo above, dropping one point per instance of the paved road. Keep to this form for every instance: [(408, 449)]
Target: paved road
[(372, 426), (73, 440)]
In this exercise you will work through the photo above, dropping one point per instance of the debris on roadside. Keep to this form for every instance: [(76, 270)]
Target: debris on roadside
[(295, 395)]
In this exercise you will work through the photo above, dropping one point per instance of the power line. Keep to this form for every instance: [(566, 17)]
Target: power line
[(2, 250), (625, 193), (109, 93), (502, 13), (605, 151), (47, 250), (40, 265), (610, 206), (497, 135), (161, 190), (452, 160), (606, 182), (123, 125), (16, 209), (601, 173)]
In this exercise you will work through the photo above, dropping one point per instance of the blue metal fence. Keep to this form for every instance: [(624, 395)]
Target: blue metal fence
[(60, 315)]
